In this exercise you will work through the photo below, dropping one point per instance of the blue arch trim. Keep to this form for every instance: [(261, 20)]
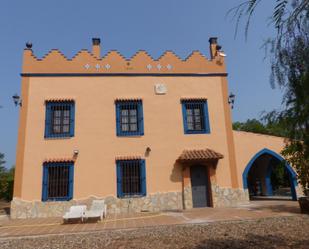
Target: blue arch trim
[(292, 174)]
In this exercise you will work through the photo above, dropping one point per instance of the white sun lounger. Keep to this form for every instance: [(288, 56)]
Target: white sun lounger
[(75, 212), (97, 210)]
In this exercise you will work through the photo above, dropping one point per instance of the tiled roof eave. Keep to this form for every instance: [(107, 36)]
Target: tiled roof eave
[(124, 158), (199, 155), (124, 99), (59, 160)]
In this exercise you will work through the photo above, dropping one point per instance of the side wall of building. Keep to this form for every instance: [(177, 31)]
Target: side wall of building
[(248, 144)]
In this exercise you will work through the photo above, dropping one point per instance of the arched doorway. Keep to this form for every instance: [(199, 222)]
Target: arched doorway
[(267, 174)]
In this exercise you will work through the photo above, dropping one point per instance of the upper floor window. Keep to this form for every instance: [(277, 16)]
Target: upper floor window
[(131, 178), (59, 120), (129, 118), (57, 181), (195, 116)]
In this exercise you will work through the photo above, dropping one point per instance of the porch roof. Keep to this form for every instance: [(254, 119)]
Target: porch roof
[(201, 154)]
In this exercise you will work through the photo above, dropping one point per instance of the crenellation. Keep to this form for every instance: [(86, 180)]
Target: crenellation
[(85, 62), (141, 52), (51, 53)]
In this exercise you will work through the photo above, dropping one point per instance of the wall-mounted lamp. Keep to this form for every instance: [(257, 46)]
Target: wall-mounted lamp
[(75, 152), (231, 100), (147, 152), (16, 99)]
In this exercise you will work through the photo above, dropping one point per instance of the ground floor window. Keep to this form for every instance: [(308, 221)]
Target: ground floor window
[(131, 178), (57, 181)]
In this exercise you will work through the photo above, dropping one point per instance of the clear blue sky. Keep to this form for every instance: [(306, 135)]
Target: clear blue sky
[(129, 25)]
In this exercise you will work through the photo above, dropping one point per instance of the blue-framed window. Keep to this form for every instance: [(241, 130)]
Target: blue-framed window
[(59, 120), (129, 118), (58, 181), (195, 116), (131, 178)]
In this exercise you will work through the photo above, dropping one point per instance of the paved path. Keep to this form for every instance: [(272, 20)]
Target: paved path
[(253, 210)]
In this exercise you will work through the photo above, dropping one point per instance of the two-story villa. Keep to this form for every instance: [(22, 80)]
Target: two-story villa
[(144, 134)]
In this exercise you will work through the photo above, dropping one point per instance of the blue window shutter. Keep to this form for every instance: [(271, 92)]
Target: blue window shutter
[(119, 180), (140, 118), (71, 181), (45, 183), (206, 114), (184, 116), (72, 119), (48, 117), (143, 178), (118, 131)]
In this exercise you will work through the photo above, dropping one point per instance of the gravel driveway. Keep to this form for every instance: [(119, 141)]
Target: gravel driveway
[(279, 232)]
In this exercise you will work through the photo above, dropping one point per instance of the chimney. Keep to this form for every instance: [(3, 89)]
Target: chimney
[(213, 42), (96, 49)]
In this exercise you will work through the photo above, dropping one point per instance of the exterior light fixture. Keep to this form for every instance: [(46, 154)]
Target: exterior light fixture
[(231, 100), (16, 99), (147, 152), (222, 54), (75, 154)]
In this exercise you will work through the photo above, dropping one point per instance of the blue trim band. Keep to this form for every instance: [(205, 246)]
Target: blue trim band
[(124, 74)]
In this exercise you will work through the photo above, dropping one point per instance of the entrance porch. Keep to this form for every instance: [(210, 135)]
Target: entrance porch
[(200, 188)]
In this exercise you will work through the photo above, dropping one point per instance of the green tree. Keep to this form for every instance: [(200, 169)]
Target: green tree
[(289, 55), (251, 125), (296, 114), (8, 195), (3, 176), (267, 126), (2, 162), (6, 180)]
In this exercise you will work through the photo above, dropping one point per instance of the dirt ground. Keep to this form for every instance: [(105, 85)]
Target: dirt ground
[(277, 232)]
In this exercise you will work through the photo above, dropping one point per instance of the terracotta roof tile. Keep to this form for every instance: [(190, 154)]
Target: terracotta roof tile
[(128, 99), (59, 99), (203, 154), (193, 98), (59, 160), (127, 158)]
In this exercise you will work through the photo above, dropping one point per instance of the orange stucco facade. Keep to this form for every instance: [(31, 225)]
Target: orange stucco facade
[(95, 135), (94, 83)]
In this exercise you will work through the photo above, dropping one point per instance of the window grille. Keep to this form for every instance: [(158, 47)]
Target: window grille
[(129, 118), (131, 178), (195, 115), (59, 119), (57, 181)]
